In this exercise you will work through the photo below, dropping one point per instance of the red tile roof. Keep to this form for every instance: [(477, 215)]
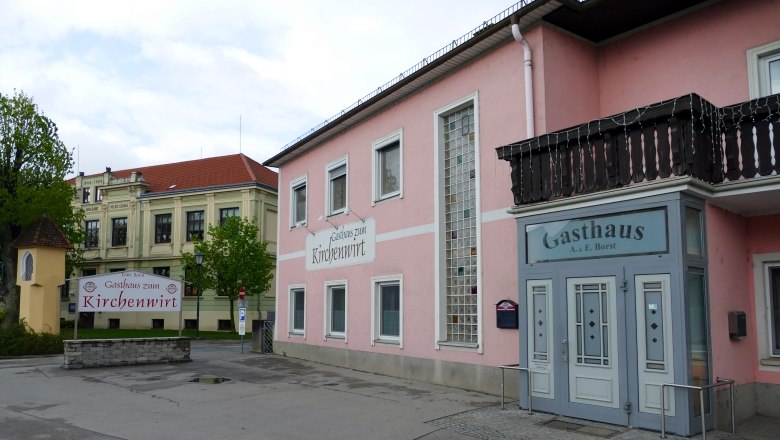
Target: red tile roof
[(233, 169), (42, 233)]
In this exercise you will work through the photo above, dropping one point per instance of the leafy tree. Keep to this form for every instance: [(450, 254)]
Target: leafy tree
[(33, 165), (233, 258)]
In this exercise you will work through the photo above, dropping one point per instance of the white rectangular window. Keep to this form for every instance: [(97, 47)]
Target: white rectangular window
[(298, 202), (773, 293), (336, 311), (297, 306), (764, 70), (387, 310), (337, 188), (388, 176), (766, 279)]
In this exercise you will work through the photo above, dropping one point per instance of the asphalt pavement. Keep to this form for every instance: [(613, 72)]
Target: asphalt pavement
[(262, 397)]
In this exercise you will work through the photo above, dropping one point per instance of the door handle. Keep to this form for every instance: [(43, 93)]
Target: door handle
[(565, 350)]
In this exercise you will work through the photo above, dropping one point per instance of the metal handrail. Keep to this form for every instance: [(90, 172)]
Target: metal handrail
[(519, 368), (719, 382)]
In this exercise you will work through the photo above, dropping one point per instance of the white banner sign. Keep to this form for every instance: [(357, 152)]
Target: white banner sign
[(129, 291), (351, 243)]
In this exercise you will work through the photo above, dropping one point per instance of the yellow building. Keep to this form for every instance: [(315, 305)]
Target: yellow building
[(41, 252), (145, 218)]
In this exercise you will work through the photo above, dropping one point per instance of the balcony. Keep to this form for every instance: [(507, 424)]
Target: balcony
[(685, 136)]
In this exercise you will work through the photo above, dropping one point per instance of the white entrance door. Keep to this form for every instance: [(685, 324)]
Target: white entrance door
[(541, 355), (654, 342), (592, 342)]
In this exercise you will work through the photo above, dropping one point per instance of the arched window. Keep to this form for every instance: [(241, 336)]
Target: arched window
[(27, 267)]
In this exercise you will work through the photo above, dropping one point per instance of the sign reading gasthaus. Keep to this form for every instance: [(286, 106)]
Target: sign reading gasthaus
[(635, 233), (351, 243), (129, 291)]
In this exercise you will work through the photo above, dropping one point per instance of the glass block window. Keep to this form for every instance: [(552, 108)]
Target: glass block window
[(460, 234)]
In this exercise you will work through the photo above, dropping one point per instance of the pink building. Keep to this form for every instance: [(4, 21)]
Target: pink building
[(592, 195)]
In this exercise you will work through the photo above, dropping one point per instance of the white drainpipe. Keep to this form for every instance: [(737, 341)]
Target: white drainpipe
[(529, 83)]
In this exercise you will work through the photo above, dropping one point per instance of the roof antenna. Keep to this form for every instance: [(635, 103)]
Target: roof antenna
[(239, 134)]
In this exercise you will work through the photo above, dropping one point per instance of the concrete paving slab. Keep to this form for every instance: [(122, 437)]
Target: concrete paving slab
[(265, 397)]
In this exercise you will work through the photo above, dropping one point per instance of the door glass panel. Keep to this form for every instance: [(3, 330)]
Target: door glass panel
[(592, 326), (591, 313), (698, 341), (540, 323), (654, 326)]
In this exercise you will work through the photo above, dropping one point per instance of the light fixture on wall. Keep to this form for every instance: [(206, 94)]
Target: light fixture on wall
[(325, 219)]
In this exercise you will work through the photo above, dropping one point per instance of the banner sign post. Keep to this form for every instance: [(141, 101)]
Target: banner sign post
[(128, 291)]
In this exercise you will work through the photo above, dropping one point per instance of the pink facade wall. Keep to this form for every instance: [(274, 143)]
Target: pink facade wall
[(702, 52), (763, 237), (497, 80), (729, 271), (567, 71), (732, 240), (574, 82)]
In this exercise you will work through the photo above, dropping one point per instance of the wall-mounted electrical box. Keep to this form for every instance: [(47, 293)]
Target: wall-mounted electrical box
[(737, 325)]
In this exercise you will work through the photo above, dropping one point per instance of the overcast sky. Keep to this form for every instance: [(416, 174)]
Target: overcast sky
[(137, 83)]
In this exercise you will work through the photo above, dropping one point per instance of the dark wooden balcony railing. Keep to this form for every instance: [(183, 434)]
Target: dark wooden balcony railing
[(686, 136)]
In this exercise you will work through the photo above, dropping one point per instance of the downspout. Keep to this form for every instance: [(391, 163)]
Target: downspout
[(529, 82)]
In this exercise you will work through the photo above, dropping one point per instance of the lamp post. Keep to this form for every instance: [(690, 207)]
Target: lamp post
[(199, 263)]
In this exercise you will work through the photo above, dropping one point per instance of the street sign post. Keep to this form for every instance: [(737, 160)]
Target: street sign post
[(242, 321), (242, 315)]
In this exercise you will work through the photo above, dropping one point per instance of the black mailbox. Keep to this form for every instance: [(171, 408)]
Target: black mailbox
[(506, 314), (737, 325)]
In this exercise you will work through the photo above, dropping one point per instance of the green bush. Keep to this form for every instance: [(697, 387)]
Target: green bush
[(19, 340)]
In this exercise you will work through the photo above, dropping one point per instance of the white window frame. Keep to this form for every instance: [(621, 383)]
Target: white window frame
[(328, 310), (329, 196), (294, 185), (376, 307), (767, 361), (440, 216), (758, 64), (378, 146), (291, 330)]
